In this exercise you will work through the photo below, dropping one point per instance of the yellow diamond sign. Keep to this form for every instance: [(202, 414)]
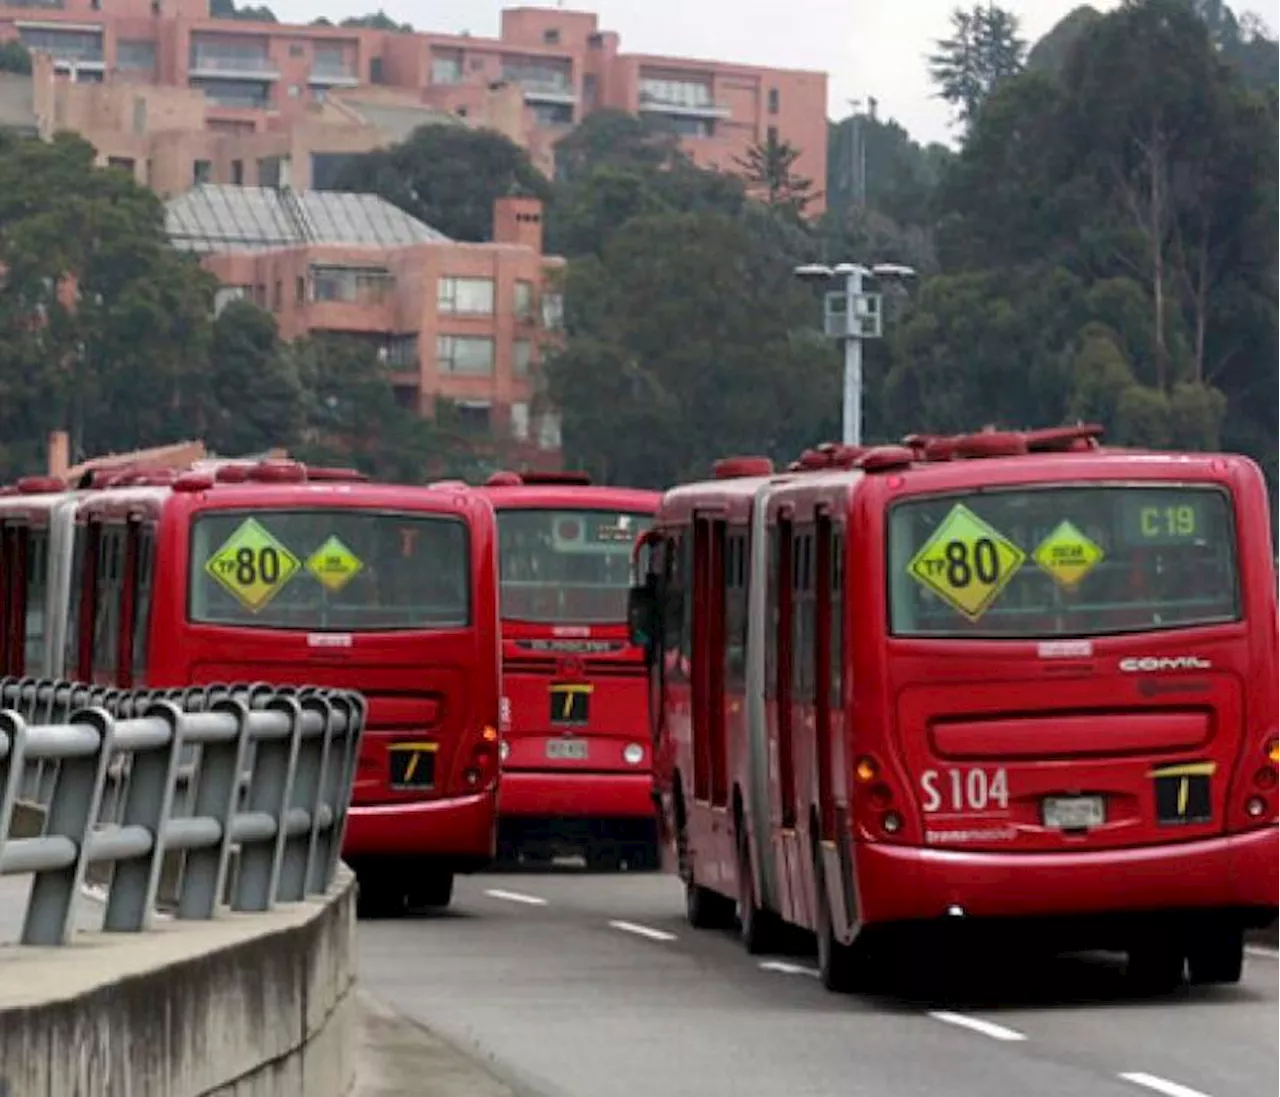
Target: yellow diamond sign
[(334, 564), (1067, 554), (252, 565), (966, 562)]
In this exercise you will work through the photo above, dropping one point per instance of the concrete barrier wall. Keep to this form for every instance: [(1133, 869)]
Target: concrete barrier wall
[(259, 1005)]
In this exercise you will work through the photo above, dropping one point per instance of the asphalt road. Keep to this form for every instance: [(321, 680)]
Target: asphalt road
[(576, 985)]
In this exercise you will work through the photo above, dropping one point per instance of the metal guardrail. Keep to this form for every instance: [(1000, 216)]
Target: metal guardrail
[(268, 773)]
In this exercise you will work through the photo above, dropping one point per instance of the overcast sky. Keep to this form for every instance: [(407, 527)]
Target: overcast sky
[(868, 47)]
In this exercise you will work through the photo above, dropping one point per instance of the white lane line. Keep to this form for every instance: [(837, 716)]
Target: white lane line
[(1263, 950), (643, 931), (788, 969), (516, 897), (1161, 1085), (987, 1028)]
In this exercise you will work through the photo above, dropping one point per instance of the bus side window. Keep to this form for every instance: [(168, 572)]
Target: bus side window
[(735, 611), (14, 565), (144, 571), (108, 596), (771, 613), (837, 617), (35, 627), (803, 635)]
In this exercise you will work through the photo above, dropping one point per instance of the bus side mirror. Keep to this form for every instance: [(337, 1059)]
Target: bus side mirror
[(642, 613)]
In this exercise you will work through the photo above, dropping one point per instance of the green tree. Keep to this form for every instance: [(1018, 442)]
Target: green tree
[(15, 57), (250, 13), (255, 398), (447, 177), (378, 20), (689, 339), (769, 172), (1049, 54), (983, 51), (114, 321), (616, 139)]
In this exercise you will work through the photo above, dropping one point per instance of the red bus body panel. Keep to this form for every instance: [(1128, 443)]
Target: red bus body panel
[(741, 754), (441, 685), (596, 656)]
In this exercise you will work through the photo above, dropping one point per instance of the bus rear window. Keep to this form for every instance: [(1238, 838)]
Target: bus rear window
[(567, 566), (329, 570), (1078, 561)]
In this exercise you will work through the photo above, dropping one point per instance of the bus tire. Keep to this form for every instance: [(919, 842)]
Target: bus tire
[(378, 897), (707, 909), (837, 963), (433, 889), (1156, 965), (761, 929), (1216, 955)]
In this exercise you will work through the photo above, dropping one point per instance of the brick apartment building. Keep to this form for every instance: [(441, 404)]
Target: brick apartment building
[(462, 321), (187, 98)]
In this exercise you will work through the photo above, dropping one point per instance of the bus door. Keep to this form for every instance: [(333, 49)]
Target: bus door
[(710, 768), (783, 589)]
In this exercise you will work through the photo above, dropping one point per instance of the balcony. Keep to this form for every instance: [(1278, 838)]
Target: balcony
[(331, 75), (70, 45), (682, 106), (558, 92), (209, 62)]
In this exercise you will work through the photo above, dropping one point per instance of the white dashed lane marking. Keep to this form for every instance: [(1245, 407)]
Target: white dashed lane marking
[(643, 931), (516, 897), (1161, 1085), (784, 968), (974, 1024)]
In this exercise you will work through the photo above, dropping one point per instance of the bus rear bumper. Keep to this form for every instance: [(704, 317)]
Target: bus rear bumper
[(1235, 872), (461, 829), (565, 795)]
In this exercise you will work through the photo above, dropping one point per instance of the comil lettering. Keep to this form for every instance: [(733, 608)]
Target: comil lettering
[(1150, 662)]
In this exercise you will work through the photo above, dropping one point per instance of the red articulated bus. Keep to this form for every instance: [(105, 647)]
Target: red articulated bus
[(995, 680), (576, 754), (292, 575)]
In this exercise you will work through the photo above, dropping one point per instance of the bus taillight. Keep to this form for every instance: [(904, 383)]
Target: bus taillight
[(484, 757)]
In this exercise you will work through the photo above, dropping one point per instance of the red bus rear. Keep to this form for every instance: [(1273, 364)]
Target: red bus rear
[(577, 765), (284, 577), (923, 687)]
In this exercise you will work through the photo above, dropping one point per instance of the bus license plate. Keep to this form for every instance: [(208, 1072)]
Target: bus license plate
[(567, 749), (1074, 812)]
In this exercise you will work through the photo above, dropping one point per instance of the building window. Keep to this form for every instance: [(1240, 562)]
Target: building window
[(474, 416), (376, 74), (269, 171), (469, 296), (521, 357), (524, 300), (402, 352), (552, 115), (589, 91), (238, 55), (539, 74), (237, 172), (296, 49), (552, 311), (123, 163), (682, 126), (139, 115), (689, 94), (465, 355), (331, 62), (551, 37), (64, 45), (236, 94), (300, 290), (202, 171), (549, 431), (773, 100), (446, 66), (520, 421), (136, 55), (277, 296), (771, 135), (351, 285)]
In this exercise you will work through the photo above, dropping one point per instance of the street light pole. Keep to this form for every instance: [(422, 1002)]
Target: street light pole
[(852, 410), (851, 316)]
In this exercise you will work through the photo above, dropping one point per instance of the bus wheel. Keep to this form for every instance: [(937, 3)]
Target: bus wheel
[(1156, 965), (377, 897), (837, 963), (1216, 955), (707, 909), (435, 889), (761, 929)]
